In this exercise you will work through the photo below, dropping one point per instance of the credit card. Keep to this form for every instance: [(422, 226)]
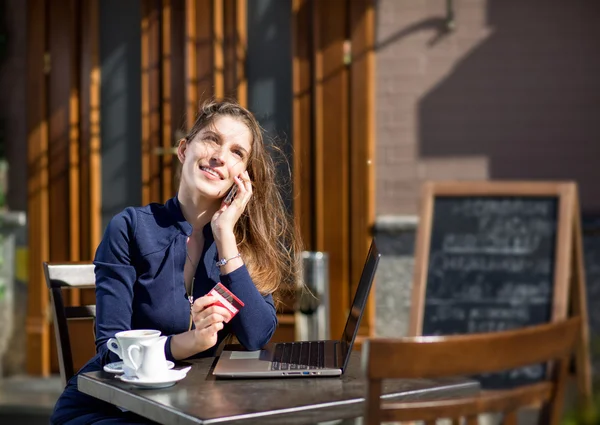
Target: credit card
[(226, 299)]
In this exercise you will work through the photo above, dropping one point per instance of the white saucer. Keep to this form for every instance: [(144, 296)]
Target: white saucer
[(170, 378), (117, 367)]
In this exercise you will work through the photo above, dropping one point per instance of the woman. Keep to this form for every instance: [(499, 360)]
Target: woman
[(156, 263)]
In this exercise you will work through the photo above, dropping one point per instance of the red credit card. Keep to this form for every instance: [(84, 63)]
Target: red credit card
[(225, 298)]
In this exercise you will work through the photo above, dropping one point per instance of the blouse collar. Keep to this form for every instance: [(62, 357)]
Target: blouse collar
[(174, 208)]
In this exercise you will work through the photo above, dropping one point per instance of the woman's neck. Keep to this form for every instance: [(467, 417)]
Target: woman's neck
[(197, 210)]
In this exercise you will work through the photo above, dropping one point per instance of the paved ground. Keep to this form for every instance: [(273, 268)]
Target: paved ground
[(26, 400)]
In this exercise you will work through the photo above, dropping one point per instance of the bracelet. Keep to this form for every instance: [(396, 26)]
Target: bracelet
[(224, 261)]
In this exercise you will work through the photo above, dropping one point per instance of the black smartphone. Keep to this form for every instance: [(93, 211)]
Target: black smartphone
[(231, 195)]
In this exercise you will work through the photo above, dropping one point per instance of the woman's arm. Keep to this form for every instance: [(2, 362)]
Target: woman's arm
[(208, 321), (256, 322), (115, 277)]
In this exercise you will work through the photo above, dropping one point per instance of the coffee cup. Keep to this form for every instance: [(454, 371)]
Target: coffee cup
[(122, 345), (152, 365)]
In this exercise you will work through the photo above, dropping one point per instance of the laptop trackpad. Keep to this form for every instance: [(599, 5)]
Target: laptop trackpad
[(245, 355)]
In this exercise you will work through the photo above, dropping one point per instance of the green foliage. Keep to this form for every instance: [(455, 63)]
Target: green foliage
[(587, 416), (591, 414)]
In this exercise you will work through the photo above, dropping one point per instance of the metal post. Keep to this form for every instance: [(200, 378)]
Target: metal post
[(312, 310)]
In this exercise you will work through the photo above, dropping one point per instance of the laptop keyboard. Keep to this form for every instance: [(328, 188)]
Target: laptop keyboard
[(299, 355)]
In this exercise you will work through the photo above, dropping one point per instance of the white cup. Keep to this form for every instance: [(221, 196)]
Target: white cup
[(122, 345), (153, 364)]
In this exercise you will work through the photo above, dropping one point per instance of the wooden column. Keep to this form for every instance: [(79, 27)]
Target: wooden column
[(333, 112), (302, 81), (184, 51), (151, 100), (218, 38), (362, 145), (332, 153), (90, 176), (199, 56), (63, 161), (37, 327), (172, 90), (241, 46)]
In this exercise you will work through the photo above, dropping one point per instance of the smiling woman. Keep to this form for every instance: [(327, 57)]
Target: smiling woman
[(157, 264)]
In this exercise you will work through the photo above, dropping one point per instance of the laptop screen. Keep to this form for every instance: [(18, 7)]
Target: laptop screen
[(359, 303)]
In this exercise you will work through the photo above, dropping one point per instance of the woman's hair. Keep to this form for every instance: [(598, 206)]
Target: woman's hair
[(267, 237)]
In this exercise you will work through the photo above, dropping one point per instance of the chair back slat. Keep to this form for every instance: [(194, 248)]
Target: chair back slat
[(435, 357), (61, 276), (487, 401), (469, 354), (81, 312), (69, 275)]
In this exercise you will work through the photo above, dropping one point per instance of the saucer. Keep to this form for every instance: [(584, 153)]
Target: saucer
[(117, 367), (170, 378)]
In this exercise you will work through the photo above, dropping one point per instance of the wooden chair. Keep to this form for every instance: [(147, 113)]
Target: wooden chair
[(466, 355), (70, 276)]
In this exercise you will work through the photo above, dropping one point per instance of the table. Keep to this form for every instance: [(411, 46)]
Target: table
[(200, 398)]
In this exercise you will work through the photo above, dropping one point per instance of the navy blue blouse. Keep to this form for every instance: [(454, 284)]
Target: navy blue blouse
[(139, 280), (140, 285)]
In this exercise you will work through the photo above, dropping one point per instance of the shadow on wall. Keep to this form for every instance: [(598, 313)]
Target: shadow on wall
[(527, 97)]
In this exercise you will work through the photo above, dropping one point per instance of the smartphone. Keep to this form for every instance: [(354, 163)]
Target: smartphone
[(231, 195)]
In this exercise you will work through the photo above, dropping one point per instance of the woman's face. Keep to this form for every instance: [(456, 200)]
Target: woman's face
[(217, 154)]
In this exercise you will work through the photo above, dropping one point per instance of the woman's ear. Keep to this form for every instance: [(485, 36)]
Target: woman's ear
[(181, 148)]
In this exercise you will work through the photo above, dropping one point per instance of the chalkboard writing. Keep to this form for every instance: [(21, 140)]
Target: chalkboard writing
[(491, 268)]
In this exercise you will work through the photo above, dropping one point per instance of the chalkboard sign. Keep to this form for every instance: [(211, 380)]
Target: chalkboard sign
[(493, 256), (491, 269)]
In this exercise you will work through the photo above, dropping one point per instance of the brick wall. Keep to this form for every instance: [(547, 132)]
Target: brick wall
[(512, 93)]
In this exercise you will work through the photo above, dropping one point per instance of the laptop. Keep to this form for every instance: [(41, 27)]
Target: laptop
[(304, 358)]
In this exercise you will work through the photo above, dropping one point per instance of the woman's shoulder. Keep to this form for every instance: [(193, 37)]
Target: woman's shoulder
[(152, 226), (133, 216)]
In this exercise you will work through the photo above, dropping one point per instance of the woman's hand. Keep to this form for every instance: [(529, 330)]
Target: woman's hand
[(208, 320), (224, 219)]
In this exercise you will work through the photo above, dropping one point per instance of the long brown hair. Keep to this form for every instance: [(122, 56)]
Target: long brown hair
[(267, 237)]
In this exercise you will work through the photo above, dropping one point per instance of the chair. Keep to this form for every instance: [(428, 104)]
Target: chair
[(465, 355), (69, 276)]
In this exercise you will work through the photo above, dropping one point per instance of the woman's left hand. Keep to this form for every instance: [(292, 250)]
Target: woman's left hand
[(225, 218)]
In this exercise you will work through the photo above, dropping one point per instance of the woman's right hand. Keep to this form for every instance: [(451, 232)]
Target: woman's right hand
[(208, 319)]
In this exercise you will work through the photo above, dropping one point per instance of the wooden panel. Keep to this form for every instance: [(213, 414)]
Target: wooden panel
[(82, 342), (362, 145), (332, 154), (58, 143), (90, 160), (241, 47), (218, 54), (59, 149), (64, 160), (37, 327), (318, 139), (85, 70), (203, 61), (191, 59), (89, 152), (286, 329), (234, 50), (178, 87), (73, 172), (229, 48), (302, 119), (166, 112), (150, 100)]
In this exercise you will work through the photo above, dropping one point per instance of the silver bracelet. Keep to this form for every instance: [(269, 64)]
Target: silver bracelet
[(224, 261)]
